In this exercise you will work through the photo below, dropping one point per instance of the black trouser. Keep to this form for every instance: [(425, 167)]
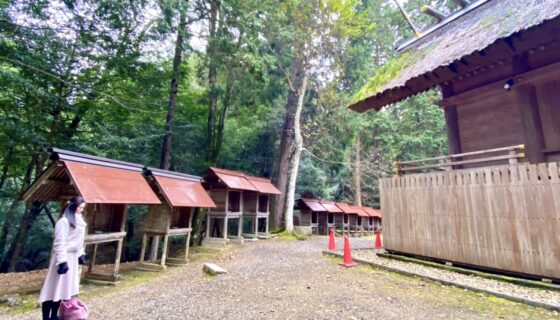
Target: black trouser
[(50, 310)]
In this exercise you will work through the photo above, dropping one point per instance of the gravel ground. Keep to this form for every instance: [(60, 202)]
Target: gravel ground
[(276, 279), (534, 294)]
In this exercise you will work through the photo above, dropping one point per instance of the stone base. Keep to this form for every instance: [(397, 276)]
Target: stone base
[(250, 237), (102, 277), (150, 266), (175, 262), (236, 240), (215, 242), (263, 235)]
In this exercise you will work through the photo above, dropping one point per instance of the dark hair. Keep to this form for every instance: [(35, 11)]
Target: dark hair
[(69, 210)]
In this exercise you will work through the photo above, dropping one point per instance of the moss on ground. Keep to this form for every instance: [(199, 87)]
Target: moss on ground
[(479, 304), (291, 236)]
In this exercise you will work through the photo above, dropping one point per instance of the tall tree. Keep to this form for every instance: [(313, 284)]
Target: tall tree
[(320, 32), (174, 85)]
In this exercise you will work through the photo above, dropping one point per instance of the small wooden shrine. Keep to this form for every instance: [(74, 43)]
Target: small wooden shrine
[(312, 214), (228, 190), (358, 220), (108, 187), (374, 220), (180, 195), (347, 211), (334, 214), (256, 208)]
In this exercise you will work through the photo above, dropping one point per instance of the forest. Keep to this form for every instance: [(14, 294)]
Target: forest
[(258, 86)]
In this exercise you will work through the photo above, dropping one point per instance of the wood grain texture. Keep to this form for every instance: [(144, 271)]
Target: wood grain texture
[(505, 217)]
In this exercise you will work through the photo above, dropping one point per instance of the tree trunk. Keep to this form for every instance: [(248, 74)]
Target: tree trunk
[(218, 130), (10, 214), (286, 139), (212, 79), (174, 88), (294, 160), (171, 104), (357, 172), (16, 249), (7, 163)]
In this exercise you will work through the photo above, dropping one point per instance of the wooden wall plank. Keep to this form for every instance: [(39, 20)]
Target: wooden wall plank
[(505, 217)]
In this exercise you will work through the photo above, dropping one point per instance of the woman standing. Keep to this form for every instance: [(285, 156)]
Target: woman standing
[(63, 278)]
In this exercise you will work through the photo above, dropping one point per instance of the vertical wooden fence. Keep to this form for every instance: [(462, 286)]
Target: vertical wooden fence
[(504, 217)]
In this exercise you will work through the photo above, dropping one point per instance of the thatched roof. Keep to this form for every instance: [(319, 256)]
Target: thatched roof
[(469, 31)]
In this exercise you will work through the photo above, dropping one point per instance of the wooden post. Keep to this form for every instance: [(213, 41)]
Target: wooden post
[(191, 210), (225, 226), (144, 244), (256, 225), (513, 159), (451, 125), (266, 226), (118, 258), (187, 246), (532, 126), (452, 130), (164, 250), (240, 226), (208, 220), (92, 262)]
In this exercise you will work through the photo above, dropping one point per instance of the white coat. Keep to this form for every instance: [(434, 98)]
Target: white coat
[(68, 245)]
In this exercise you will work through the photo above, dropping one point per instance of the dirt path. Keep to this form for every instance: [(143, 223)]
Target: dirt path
[(277, 279)]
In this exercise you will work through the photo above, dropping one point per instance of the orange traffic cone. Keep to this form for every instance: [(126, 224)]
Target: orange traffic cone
[(347, 260), (378, 240), (332, 244)]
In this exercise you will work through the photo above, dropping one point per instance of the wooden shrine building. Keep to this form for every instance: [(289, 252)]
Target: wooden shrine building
[(312, 214), (346, 212), (494, 201), (256, 208), (374, 220), (108, 187), (358, 220), (180, 195), (235, 195), (335, 215)]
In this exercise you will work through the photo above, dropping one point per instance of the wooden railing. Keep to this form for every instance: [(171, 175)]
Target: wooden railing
[(512, 154)]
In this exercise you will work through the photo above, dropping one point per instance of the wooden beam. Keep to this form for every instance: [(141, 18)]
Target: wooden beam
[(473, 153), (496, 158), (28, 195), (549, 72), (104, 237), (532, 126)]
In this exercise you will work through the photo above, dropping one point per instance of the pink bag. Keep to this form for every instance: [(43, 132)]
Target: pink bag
[(73, 309)]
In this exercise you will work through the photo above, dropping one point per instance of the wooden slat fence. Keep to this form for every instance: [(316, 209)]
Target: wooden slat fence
[(505, 217)]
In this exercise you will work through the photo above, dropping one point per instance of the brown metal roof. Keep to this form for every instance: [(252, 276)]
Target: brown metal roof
[(263, 185), (184, 193), (314, 205), (233, 179), (454, 44), (344, 207), (330, 206), (100, 184), (373, 212), (360, 211)]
